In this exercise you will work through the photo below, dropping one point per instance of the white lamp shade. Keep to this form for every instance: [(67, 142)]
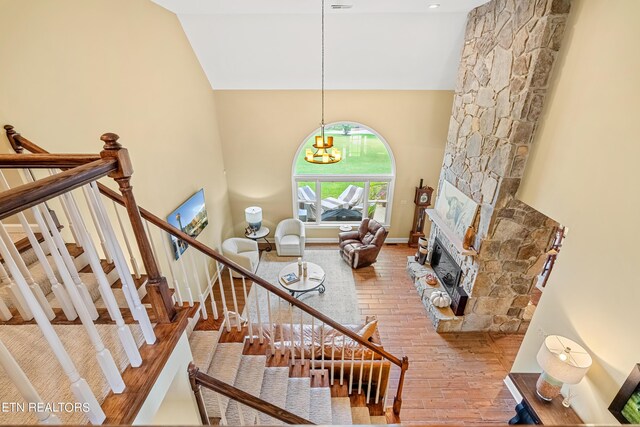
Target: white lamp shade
[(563, 359), (253, 214)]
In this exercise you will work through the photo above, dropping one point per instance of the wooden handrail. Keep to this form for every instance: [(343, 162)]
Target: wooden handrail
[(198, 378), (45, 160), (27, 195), (163, 225)]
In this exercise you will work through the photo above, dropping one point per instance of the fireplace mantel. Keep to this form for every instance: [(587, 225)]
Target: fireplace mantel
[(449, 234)]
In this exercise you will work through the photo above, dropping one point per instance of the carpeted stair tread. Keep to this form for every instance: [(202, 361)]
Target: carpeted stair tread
[(32, 352), (224, 367), (341, 411), (320, 406), (298, 397), (274, 390), (203, 345), (378, 419), (249, 379), (360, 415)]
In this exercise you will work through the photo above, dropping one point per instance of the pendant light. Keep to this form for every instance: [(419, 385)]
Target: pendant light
[(325, 152)]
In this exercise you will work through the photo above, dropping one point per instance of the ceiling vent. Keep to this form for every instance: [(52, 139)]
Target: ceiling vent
[(341, 6)]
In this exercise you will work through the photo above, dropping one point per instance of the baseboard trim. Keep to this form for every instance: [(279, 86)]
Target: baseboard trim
[(513, 389), (335, 240)]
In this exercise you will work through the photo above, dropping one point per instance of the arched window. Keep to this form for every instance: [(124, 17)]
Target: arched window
[(360, 185)]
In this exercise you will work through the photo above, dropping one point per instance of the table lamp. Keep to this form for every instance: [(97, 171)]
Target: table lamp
[(562, 361), (253, 215)]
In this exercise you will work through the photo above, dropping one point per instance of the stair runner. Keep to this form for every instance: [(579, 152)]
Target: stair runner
[(226, 362), (89, 279)]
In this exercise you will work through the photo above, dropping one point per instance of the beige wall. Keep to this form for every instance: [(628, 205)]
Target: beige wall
[(74, 69), (584, 173), (261, 131)]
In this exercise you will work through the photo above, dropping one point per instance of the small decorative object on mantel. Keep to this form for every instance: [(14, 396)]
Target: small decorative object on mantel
[(440, 299), (563, 362), (626, 405), (422, 201), (469, 237), (431, 280)]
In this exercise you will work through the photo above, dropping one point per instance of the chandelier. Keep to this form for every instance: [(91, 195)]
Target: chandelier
[(325, 152)]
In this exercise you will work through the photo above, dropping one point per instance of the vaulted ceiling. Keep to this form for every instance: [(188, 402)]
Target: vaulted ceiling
[(375, 44)]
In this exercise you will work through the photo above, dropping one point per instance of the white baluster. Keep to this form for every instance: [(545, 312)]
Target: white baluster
[(223, 415), (292, 336), (68, 262), (272, 328), (333, 358), (20, 380), (134, 262), (186, 278), (313, 343), (241, 415), (96, 225), (301, 338), (19, 302), (124, 333), (260, 326), (370, 377), (72, 226), (225, 311), (79, 386), (59, 291), (344, 338), (322, 337), (353, 355), (169, 258), (280, 320), (24, 270), (214, 307), (196, 281), (138, 311), (379, 382), (235, 301), (247, 309), (361, 372)]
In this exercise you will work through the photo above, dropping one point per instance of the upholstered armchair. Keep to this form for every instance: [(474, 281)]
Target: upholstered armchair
[(243, 252), (290, 238), (361, 248)]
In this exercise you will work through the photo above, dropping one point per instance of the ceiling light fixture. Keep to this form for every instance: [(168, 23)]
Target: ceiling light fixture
[(325, 151), (434, 5)]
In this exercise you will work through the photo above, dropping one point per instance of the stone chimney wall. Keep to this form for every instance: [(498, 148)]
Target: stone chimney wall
[(508, 56)]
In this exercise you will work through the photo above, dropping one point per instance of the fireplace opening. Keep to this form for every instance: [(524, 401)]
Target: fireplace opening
[(449, 273)]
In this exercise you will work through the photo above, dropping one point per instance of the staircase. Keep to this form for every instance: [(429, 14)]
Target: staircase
[(295, 387), (264, 367)]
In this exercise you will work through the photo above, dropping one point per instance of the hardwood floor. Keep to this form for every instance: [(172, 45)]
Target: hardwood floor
[(452, 378)]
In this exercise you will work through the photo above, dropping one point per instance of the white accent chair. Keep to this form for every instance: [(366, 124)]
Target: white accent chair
[(243, 252), (290, 238)]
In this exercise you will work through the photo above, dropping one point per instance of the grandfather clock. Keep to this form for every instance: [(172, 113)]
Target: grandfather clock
[(422, 201)]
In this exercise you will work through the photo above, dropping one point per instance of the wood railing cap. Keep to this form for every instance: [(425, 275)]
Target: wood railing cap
[(111, 141)]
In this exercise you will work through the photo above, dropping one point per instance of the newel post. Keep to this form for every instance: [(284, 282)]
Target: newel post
[(397, 402), (157, 287)]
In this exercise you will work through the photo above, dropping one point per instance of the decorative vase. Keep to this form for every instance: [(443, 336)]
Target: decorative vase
[(431, 280), (469, 237)]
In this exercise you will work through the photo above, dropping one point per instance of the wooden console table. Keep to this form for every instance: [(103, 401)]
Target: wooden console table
[(538, 410)]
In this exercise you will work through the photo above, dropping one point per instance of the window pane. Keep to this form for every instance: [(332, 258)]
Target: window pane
[(307, 201), (342, 201), (377, 209), (362, 153)]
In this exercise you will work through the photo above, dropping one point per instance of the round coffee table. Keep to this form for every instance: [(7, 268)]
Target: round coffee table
[(314, 280)]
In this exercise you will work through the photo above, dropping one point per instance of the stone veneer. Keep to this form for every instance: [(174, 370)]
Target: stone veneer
[(509, 51)]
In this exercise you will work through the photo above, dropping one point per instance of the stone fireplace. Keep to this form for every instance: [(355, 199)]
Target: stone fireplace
[(508, 55)]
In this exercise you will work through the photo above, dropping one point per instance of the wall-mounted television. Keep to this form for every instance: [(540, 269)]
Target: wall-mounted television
[(191, 218)]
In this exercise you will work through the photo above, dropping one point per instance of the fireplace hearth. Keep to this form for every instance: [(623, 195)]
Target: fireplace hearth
[(449, 273)]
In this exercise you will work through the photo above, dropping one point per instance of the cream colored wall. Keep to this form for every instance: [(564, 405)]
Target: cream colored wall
[(261, 131), (74, 69), (584, 173)]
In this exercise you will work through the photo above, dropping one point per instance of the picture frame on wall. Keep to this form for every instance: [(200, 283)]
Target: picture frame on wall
[(626, 405)]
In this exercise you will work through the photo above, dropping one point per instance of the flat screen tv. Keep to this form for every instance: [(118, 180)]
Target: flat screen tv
[(191, 218)]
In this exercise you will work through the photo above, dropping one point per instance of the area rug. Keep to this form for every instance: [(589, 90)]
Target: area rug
[(339, 301)]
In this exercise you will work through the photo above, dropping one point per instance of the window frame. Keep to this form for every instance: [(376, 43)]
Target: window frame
[(367, 179)]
